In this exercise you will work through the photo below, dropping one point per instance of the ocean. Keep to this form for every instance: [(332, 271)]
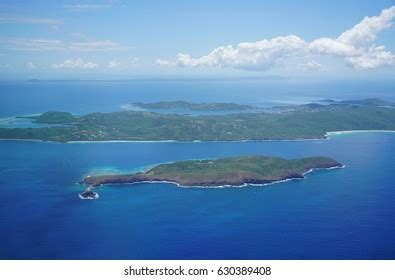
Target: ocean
[(21, 98), (345, 213)]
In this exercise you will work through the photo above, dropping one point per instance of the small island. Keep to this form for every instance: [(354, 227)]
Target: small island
[(232, 171), (89, 194)]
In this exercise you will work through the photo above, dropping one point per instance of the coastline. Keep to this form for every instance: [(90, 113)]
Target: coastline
[(326, 136), (31, 140), (96, 196), (341, 132), (191, 141), (228, 186), (164, 141)]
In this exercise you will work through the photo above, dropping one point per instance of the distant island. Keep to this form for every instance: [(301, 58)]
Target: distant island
[(232, 171), (291, 122), (365, 102), (168, 105)]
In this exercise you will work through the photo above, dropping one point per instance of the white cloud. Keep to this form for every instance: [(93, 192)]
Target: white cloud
[(331, 47), (23, 44), (74, 64), (113, 64), (164, 62), (6, 18), (31, 65), (134, 61), (250, 56), (79, 35), (312, 66), (106, 45), (366, 31), (352, 45), (373, 58)]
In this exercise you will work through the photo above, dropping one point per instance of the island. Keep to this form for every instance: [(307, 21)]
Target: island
[(222, 172), (89, 194), (168, 105), (364, 102), (291, 122)]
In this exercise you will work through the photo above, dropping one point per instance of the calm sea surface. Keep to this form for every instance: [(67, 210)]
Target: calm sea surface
[(336, 214)]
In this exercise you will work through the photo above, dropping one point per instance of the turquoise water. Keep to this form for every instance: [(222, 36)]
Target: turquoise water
[(336, 214)]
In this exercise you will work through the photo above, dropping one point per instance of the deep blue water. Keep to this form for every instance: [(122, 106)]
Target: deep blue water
[(336, 214)]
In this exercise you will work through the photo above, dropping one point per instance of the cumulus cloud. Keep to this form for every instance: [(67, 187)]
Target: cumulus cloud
[(77, 63), (328, 46), (31, 65), (366, 31), (164, 62), (251, 56), (134, 61), (113, 64), (353, 45), (312, 66), (373, 58)]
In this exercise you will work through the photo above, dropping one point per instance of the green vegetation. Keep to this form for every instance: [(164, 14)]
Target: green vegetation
[(226, 171), (166, 105), (54, 117), (297, 122), (368, 102)]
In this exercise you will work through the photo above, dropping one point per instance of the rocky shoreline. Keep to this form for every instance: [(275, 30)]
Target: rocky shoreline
[(236, 176)]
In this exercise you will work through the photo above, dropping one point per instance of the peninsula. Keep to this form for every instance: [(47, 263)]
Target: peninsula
[(232, 171)]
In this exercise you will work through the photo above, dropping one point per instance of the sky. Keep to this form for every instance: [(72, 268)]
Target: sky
[(111, 39)]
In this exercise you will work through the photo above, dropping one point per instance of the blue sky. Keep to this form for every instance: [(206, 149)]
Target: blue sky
[(131, 39)]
